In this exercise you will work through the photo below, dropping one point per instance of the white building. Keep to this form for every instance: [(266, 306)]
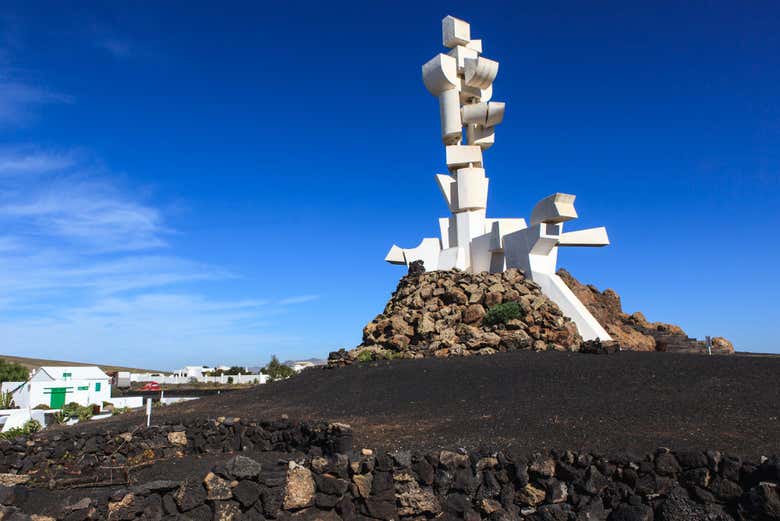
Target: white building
[(56, 386)]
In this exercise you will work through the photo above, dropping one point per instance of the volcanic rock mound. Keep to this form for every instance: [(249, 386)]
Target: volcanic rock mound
[(634, 332), (441, 313)]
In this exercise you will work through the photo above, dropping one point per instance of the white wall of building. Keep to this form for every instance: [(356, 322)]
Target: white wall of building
[(178, 379)]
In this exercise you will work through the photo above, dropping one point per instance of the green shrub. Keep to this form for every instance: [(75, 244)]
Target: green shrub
[(277, 370), (74, 410), (501, 313), (32, 426), (6, 400), (85, 413), (365, 356), (42, 407), (29, 427), (12, 433)]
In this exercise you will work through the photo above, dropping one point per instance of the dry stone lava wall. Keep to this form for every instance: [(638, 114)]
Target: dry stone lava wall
[(87, 456), (405, 486)]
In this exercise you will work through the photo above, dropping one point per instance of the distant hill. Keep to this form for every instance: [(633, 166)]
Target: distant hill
[(315, 361), (34, 363)]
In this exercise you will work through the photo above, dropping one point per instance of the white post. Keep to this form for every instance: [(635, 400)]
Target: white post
[(709, 345), (148, 412)]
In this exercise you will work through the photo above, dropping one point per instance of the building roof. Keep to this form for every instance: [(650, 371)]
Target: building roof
[(81, 372), (11, 387)]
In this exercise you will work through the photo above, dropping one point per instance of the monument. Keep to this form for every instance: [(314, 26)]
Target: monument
[(462, 80)]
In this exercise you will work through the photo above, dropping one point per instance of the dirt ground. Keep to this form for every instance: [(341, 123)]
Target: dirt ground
[(530, 401)]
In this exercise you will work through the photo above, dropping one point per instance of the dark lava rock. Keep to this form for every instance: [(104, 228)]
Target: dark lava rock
[(191, 493), (247, 492), (626, 512), (241, 467)]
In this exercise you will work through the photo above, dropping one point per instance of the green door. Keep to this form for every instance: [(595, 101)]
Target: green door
[(57, 397)]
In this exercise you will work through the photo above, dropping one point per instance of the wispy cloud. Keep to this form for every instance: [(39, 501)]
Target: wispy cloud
[(27, 161), (158, 330), (86, 265), (18, 100), (70, 203), (298, 299)]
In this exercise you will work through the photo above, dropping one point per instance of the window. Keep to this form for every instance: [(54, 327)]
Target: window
[(67, 375), (97, 386)]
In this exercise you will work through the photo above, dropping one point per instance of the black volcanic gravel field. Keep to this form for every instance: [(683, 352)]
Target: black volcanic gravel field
[(533, 401)]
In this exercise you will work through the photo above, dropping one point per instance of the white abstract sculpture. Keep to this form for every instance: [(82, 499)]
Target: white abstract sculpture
[(463, 81)]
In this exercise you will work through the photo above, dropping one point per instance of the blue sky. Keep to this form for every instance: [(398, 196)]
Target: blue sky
[(184, 183)]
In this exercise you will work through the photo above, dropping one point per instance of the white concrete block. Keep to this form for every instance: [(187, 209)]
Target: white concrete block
[(502, 227), (472, 186), (474, 113), (481, 256), (469, 224), (483, 137), (449, 112), (480, 73), (453, 258), (455, 31), (459, 156), (440, 74), (495, 113), (460, 53), (554, 208), (448, 236), (474, 94), (475, 45)]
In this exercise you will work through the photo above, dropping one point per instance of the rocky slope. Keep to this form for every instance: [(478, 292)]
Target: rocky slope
[(633, 331)]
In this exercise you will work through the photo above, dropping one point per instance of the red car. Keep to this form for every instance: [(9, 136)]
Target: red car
[(151, 386)]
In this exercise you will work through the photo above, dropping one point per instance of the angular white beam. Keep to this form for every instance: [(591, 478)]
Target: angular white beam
[(395, 255), (589, 237), (448, 189)]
